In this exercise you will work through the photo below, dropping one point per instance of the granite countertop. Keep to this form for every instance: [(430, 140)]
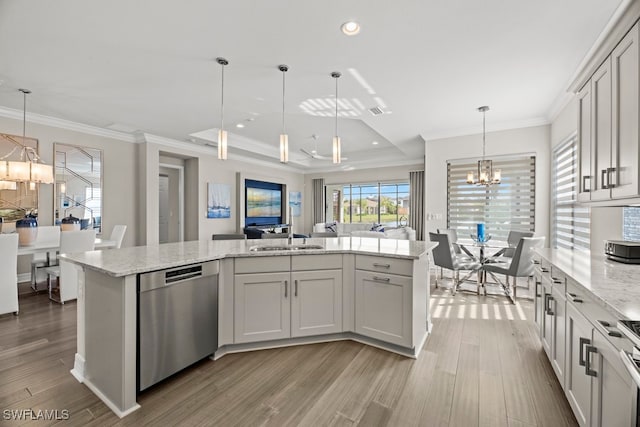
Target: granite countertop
[(615, 285), (141, 259)]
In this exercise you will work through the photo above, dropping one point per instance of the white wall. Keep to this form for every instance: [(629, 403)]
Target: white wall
[(212, 170), (394, 173), (515, 141)]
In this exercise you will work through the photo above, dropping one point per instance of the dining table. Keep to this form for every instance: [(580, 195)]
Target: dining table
[(488, 253), (53, 246)]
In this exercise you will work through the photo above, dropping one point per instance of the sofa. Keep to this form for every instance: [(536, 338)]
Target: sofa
[(367, 229)]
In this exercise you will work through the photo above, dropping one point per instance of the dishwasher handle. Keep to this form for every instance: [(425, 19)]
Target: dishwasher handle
[(162, 278)]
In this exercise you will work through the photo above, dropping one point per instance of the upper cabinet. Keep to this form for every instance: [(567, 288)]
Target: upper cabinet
[(608, 123)]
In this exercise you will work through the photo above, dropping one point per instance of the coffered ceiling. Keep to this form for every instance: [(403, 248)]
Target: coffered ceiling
[(149, 66)]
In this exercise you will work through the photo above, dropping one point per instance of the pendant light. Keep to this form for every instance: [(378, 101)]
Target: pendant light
[(222, 134), (284, 138), (486, 175), (29, 168), (337, 155)]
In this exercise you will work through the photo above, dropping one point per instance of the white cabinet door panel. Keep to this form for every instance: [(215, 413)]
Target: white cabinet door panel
[(316, 302), (601, 131), (577, 383)]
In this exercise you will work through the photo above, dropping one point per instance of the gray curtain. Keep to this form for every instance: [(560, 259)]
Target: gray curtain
[(318, 200), (416, 203)]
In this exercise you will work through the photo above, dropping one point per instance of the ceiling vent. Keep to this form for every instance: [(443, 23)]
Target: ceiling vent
[(376, 111)]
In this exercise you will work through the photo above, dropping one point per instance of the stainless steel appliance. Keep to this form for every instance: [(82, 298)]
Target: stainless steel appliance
[(631, 361), (177, 320), (622, 251)]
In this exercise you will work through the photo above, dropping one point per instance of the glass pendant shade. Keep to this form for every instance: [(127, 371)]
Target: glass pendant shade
[(284, 148), (8, 185), (337, 156), (63, 188), (222, 144), (41, 173), (19, 171)]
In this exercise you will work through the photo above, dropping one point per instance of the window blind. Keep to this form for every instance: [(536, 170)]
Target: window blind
[(570, 222), (503, 207)]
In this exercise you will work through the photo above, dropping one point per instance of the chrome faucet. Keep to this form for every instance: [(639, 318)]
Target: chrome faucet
[(290, 235)]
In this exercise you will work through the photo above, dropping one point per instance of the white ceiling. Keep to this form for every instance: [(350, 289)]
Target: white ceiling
[(149, 66)]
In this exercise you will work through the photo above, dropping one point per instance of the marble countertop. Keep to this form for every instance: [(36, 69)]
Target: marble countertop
[(141, 259), (615, 285)]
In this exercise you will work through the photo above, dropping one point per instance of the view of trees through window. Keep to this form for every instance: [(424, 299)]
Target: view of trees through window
[(380, 203)]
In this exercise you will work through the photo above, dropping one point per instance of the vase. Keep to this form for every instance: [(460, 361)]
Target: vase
[(27, 229), (480, 232), (70, 223)]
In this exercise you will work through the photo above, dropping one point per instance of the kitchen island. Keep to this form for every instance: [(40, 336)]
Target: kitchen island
[(374, 291)]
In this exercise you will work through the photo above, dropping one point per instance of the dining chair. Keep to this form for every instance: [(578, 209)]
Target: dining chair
[(66, 276), (46, 234), (117, 235), (444, 257), (229, 236), (521, 264), (324, 234), (453, 241), (9, 276), (513, 238)]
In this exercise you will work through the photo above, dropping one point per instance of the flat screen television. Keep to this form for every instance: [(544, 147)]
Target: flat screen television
[(263, 202)]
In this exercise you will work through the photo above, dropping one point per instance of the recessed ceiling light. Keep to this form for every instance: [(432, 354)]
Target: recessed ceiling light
[(350, 28), (375, 142), (240, 125)]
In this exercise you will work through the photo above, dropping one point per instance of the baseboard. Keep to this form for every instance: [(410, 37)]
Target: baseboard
[(78, 368), (24, 277), (120, 413)]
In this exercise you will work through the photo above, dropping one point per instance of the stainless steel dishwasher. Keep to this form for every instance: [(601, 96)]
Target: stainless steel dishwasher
[(177, 320)]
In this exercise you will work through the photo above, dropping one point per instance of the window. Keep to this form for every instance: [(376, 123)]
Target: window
[(631, 223), (382, 203), (570, 222), (507, 206)]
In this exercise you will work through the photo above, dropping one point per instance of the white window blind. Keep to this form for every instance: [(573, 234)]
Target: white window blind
[(571, 222), (503, 207)]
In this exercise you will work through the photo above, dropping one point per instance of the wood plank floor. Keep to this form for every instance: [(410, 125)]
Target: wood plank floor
[(483, 365)]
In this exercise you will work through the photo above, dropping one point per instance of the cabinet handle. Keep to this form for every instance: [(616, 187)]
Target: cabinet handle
[(614, 334), (381, 279), (573, 298), (286, 287), (583, 342), (610, 172), (604, 172), (549, 312), (375, 264), (545, 270), (604, 323), (587, 362), (537, 294), (584, 184), (295, 282)]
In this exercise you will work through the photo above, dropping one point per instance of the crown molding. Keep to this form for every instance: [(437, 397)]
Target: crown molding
[(515, 124), (11, 113), (558, 105)]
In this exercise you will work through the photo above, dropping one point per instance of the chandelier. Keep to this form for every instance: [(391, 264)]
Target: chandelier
[(485, 175), (30, 167)]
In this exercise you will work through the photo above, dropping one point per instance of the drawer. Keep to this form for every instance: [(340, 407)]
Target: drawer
[(403, 267), (558, 279), (545, 266), (603, 320), (262, 264), (316, 262)]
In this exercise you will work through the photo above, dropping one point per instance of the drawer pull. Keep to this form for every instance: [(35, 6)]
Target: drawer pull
[(286, 288), (614, 334), (375, 264), (296, 288), (545, 270), (587, 361), (604, 323), (381, 279)]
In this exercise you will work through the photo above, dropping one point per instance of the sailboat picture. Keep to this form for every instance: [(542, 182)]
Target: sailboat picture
[(218, 200)]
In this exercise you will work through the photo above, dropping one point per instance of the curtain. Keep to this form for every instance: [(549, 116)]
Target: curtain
[(318, 200), (416, 203)]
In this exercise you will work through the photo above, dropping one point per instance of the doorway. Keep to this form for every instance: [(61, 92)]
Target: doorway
[(171, 203)]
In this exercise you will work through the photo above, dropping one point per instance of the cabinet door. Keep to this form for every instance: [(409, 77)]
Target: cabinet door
[(586, 182), (558, 333), (262, 308), (547, 316), (601, 131), (613, 390), (626, 96), (384, 307), (538, 310), (577, 383), (316, 304)]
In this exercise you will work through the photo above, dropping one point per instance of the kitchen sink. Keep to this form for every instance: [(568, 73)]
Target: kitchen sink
[(284, 248)]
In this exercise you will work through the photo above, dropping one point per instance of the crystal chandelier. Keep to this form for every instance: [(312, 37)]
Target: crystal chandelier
[(485, 175)]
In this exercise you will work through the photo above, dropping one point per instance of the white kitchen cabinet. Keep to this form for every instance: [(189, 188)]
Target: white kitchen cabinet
[(546, 328), (626, 98), (383, 307), (577, 386), (316, 302), (586, 182), (262, 307), (538, 312), (608, 126), (613, 391), (558, 308)]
